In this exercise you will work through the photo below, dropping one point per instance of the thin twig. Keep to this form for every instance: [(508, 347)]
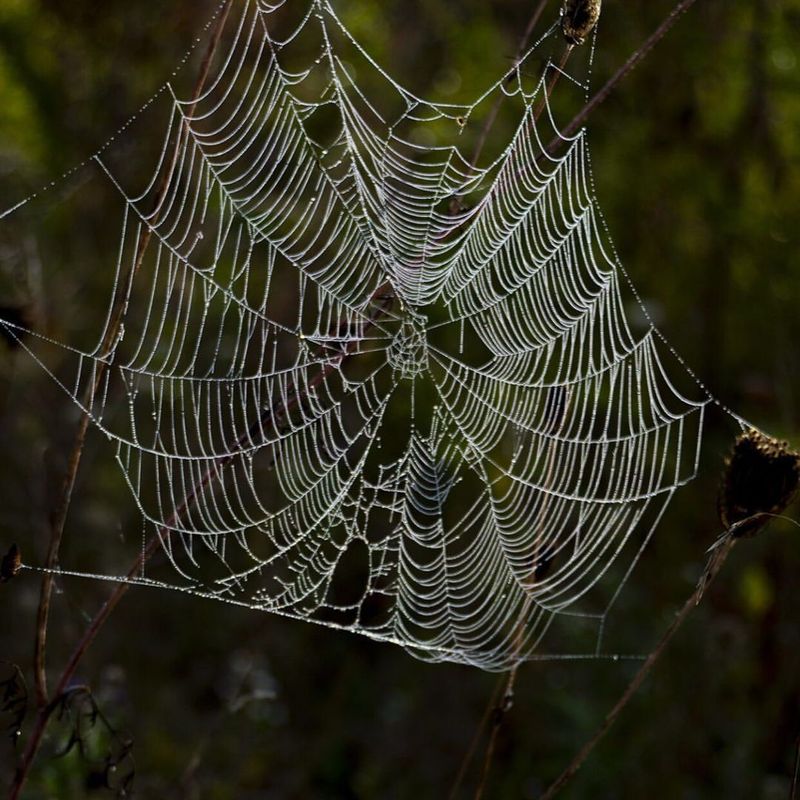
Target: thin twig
[(715, 562), (119, 306), (493, 710), (796, 777), (487, 761), (491, 118), (571, 127), (473, 745), (538, 571), (497, 710), (557, 72), (626, 68), (497, 723)]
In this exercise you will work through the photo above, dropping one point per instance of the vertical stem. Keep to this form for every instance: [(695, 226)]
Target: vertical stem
[(539, 555), (473, 746), (509, 687), (497, 723), (119, 304), (570, 129), (59, 516), (635, 58)]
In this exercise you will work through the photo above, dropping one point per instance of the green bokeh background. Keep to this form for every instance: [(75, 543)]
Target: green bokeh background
[(696, 159)]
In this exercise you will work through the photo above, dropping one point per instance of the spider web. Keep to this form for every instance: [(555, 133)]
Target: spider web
[(368, 384)]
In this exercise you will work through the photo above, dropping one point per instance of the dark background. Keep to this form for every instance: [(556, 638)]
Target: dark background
[(696, 158)]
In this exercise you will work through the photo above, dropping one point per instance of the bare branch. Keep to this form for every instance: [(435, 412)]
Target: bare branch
[(119, 303), (636, 58), (715, 562)]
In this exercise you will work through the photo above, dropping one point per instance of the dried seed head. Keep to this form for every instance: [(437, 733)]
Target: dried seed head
[(761, 477), (578, 18), (11, 564)]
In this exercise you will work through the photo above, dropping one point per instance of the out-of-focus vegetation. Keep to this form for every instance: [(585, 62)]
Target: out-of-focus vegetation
[(697, 161)]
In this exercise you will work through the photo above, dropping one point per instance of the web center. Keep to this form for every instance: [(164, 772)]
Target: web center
[(408, 352)]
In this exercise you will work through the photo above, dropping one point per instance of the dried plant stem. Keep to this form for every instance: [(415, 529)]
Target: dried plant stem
[(539, 554), (491, 118), (473, 746), (569, 130), (715, 562), (540, 105), (635, 58), (509, 682), (497, 723), (119, 305)]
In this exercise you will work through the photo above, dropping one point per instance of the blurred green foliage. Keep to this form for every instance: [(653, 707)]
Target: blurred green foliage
[(696, 158)]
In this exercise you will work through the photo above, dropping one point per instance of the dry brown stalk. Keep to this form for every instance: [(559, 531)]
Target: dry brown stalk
[(119, 304), (59, 516), (715, 562)]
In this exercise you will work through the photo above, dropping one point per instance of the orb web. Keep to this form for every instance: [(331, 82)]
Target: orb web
[(363, 382)]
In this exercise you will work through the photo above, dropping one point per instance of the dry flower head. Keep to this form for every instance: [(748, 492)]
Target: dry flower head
[(760, 479)]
